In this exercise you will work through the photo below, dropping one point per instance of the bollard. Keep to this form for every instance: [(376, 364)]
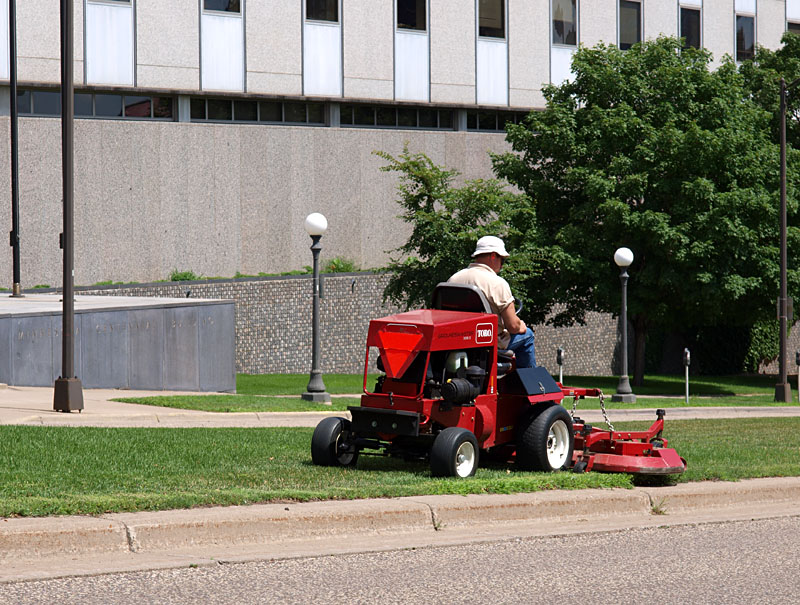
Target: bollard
[(686, 361), (560, 362)]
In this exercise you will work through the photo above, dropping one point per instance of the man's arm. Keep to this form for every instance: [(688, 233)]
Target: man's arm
[(513, 324)]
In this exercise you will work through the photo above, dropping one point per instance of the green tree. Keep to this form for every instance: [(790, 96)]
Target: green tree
[(649, 148), (446, 221)]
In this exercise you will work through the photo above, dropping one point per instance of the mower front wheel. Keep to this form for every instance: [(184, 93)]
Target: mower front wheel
[(546, 441), (330, 443), (454, 453)]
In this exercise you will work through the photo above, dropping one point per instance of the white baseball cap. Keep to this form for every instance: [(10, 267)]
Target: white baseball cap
[(489, 244)]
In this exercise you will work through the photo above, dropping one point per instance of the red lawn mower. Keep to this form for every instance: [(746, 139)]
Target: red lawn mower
[(446, 394)]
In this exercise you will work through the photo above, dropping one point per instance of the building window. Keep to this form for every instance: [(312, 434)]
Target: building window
[(322, 10), (226, 6), (745, 38), (630, 23), (99, 105), (268, 112), (383, 116), (565, 22), (412, 14), (793, 27), (492, 18), (690, 27), (493, 121)]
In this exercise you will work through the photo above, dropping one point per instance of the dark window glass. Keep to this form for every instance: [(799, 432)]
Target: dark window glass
[(363, 115), (492, 18), (407, 117), (83, 105), (198, 109), (346, 115), (472, 120), (316, 113), (47, 103), (630, 24), (23, 101), (229, 6), (793, 27), (690, 27), (138, 107), (219, 109), (245, 111), (109, 106), (271, 111), (294, 112), (445, 118), (507, 117), (565, 22), (162, 107), (427, 118), (745, 38), (487, 120), (322, 10), (387, 116), (411, 14)]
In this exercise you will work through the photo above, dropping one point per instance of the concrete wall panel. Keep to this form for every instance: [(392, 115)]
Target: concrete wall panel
[(718, 28), (5, 345), (597, 21), (39, 41), (180, 348), (529, 51), (168, 44), (146, 345), (452, 40), (368, 49), (104, 350), (32, 351), (770, 23), (271, 25), (660, 18), (217, 347)]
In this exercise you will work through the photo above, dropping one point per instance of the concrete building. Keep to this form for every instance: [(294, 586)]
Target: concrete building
[(208, 129)]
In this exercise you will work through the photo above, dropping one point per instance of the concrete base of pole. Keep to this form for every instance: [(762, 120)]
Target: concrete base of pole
[(623, 398), (317, 397), (783, 392), (68, 395)]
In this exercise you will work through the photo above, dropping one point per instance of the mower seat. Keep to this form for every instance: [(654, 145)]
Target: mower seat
[(460, 297)]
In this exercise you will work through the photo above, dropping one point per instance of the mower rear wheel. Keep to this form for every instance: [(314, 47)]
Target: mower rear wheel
[(330, 443), (454, 453), (546, 441)]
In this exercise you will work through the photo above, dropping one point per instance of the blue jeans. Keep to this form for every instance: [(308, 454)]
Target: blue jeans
[(522, 345)]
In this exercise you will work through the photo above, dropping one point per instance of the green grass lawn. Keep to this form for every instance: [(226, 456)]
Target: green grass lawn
[(60, 470), (262, 393)]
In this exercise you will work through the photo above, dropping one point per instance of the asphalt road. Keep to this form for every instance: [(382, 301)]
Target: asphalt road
[(727, 562)]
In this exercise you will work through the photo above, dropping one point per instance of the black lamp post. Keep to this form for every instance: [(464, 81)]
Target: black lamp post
[(624, 257), (12, 46), (68, 394), (316, 225), (783, 391)]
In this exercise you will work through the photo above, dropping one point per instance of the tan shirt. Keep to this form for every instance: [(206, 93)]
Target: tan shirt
[(496, 290)]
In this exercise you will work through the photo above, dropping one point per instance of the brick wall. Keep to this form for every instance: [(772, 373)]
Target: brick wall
[(273, 323)]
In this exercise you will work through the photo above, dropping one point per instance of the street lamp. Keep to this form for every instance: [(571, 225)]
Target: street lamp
[(624, 257), (316, 225), (783, 391)]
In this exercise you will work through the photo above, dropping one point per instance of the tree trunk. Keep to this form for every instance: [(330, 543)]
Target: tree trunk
[(639, 334)]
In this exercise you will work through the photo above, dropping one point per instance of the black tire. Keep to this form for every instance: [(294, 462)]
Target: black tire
[(329, 444), (546, 440), (454, 453)]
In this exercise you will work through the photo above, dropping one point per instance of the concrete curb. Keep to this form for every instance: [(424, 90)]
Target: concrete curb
[(152, 532)]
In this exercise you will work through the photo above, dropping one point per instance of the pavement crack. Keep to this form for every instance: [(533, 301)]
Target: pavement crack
[(130, 535), (435, 521)]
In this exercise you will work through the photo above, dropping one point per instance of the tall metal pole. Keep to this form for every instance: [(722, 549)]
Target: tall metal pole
[(783, 391), (16, 290), (315, 391), (68, 392)]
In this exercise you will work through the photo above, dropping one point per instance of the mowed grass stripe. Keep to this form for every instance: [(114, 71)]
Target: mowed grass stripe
[(60, 470)]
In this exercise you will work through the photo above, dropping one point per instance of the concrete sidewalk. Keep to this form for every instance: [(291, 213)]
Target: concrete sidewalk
[(34, 406)]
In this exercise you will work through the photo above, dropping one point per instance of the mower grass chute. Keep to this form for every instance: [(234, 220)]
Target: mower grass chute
[(447, 395)]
